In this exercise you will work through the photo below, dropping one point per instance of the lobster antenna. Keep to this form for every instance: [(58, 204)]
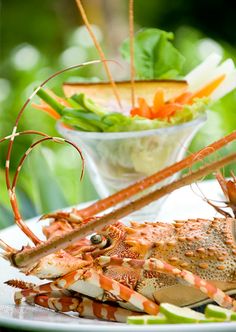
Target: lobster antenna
[(12, 191), (25, 132), (131, 38), (12, 195), (14, 131), (135, 188), (14, 134), (100, 52), (47, 138)]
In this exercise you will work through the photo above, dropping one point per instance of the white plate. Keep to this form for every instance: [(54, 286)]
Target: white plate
[(182, 204)]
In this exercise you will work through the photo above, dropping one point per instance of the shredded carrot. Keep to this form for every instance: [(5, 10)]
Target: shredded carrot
[(162, 110), (145, 110), (184, 98), (167, 110), (158, 101), (208, 89), (66, 126), (135, 111), (47, 109)]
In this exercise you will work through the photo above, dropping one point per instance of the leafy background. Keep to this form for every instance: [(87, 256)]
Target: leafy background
[(38, 38)]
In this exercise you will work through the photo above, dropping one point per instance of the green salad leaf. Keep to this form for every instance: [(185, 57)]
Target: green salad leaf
[(154, 55), (84, 114), (139, 155), (103, 121), (98, 119), (190, 112)]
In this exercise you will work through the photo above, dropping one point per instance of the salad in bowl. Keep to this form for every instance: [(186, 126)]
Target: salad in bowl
[(128, 141)]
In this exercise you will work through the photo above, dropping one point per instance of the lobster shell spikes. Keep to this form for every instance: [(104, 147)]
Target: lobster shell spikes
[(23, 259)]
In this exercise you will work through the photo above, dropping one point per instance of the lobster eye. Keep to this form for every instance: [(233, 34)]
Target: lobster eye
[(99, 240), (96, 239)]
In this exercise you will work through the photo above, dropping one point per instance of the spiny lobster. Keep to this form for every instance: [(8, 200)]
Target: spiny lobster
[(130, 268), (123, 270)]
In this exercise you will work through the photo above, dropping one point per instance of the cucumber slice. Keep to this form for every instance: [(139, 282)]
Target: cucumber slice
[(137, 320), (159, 319), (176, 314), (214, 311), (172, 314), (147, 319)]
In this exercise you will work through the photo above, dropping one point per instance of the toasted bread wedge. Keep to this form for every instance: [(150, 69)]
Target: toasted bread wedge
[(102, 93)]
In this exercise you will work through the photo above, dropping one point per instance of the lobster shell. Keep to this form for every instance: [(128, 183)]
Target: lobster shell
[(207, 248)]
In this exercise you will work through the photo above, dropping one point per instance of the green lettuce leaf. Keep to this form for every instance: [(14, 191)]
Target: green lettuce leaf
[(84, 114), (190, 112), (154, 55), (97, 119)]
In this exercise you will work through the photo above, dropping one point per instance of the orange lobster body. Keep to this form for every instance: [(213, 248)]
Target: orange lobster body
[(207, 248), (136, 267), (124, 270)]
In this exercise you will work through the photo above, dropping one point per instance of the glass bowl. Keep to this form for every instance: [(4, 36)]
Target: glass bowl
[(118, 159)]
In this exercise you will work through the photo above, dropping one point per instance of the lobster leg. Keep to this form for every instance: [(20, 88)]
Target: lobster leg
[(93, 278), (119, 290), (229, 189), (57, 285), (83, 306), (191, 279), (6, 247)]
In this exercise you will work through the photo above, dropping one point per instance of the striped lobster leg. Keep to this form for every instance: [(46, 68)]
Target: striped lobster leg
[(83, 306), (191, 279), (57, 285), (94, 280), (117, 289)]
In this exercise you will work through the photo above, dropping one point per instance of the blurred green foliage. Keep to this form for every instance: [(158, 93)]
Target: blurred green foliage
[(38, 38)]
